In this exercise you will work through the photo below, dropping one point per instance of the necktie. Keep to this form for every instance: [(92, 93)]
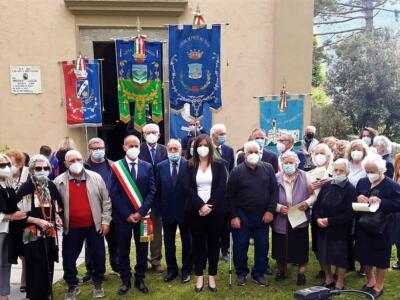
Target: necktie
[(133, 171), (174, 173), (219, 150), (153, 155)]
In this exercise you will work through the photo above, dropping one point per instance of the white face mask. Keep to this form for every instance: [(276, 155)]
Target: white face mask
[(76, 168), (151, 138), (5, 172), (373, 177), (203, 151), (357, 155), (14, 170), (319, 159), (367, 140), (132, 153), (253, 158), (280, 147)]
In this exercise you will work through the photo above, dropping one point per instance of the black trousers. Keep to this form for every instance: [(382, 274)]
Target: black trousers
[(123, 237), (39, 272), (206, 233), (170, 248), (112, 253)]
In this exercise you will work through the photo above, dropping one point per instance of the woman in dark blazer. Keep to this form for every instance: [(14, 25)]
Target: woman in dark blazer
[(333, 214), (374, 249), (205, 188)]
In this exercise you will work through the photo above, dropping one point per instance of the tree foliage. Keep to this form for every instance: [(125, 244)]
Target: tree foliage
[(363, 81)]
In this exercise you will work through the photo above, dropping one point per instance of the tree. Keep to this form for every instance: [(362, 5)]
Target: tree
[(364, 80)]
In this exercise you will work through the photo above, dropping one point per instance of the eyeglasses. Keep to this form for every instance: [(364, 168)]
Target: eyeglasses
[(3, 165), (38, 169), (97, 148)]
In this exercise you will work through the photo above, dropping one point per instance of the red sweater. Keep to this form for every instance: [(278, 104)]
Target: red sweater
[(80, 213)]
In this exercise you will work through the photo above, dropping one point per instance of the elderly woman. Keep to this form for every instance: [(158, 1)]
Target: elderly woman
[(290, 243), (41, 201), (373, 247), (355, 153), (334, 215), (19, 172), (383, 147), (8, 213)]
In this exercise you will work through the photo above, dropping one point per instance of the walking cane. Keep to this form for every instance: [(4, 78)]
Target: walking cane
[(46, 253), (230, 257)]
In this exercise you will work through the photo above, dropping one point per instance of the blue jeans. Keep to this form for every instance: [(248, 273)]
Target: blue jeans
[(250, 226), (72, 247)]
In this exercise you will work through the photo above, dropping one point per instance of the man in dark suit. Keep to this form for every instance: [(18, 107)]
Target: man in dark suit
[(258, 135), (153, 153), (127, 218), (170, 200), (286, 143), (227, 155), (225, 152)]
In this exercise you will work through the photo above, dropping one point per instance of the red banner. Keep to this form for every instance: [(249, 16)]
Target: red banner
[(74, 105)]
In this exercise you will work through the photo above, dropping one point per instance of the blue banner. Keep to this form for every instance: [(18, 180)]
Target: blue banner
[(179, 123), (275, 122), (194, 68)]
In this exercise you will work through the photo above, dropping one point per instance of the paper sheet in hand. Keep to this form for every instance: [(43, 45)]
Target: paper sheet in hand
[(296, 216), (365, 207)]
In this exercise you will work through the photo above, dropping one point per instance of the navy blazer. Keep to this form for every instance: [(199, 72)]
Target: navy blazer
[(218, 189), (301, 157), (389, 166), (121, 204), (161, 154), (268, 157), (170, 200), (228, 156)]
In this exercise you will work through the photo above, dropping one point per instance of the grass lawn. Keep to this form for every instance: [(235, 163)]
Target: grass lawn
[(176, 290)]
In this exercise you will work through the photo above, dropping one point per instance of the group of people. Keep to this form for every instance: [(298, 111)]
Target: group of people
[(207, 191)]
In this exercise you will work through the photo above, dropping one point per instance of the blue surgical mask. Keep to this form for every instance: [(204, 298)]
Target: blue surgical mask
[(41, 175), (289, 169), (98, 154), (221, 139), (261, 142), (339, 178), (174, 157)]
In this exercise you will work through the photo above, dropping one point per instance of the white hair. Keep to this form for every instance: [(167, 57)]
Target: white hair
[(175, 141), (343, 161), (217, 127), (150, 126), (384, 142), (250, 144), (327, 151), (312, 128), (376, 160), (291, 154), (72, 152), (290, 136), (95, 140), (38, 158)]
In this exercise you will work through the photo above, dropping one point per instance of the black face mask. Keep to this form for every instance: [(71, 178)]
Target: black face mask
[(310, 135)]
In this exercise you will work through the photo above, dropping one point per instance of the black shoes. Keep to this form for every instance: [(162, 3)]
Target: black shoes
[(139, 284), (268, 271), (329, 285), (280, 276), (123, 289), (320, 275), (262, 281), (301, 279), (375, 293), (241, 280), (170, 276), (185, 278), (212, 289), (86, 278)]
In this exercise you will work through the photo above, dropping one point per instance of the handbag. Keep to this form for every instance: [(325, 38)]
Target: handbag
[(374, 222)]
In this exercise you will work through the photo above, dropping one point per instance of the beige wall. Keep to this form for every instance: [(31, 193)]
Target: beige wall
[(265, 41)]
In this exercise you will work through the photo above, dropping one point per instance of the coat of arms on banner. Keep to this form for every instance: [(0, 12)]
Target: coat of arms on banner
[(139, 73)]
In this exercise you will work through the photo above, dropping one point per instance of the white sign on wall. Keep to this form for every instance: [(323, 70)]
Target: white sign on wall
[(25, 80)]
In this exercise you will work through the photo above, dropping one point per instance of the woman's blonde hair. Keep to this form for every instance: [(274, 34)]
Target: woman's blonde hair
[(67, 143)]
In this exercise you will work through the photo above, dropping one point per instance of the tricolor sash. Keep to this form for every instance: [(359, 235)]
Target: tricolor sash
[(131, 189)]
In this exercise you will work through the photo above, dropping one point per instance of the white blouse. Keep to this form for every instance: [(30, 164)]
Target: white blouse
[(204, 180)]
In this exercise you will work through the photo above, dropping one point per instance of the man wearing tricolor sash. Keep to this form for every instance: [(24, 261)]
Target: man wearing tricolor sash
[(132, 190)]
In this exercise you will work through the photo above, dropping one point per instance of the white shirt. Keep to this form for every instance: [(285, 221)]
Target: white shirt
[(356, 175), (204, 181), (129, 162)]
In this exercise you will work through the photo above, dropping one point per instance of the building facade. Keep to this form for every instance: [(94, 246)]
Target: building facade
[(265, 42)]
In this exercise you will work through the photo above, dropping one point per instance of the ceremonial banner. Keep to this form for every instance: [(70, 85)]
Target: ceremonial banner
[(139, 67), (274, 121), (194, 68), (82, 92), (179, 127)]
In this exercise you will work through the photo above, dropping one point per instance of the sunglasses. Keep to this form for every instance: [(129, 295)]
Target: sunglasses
[(3, 165), (38, 169)]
